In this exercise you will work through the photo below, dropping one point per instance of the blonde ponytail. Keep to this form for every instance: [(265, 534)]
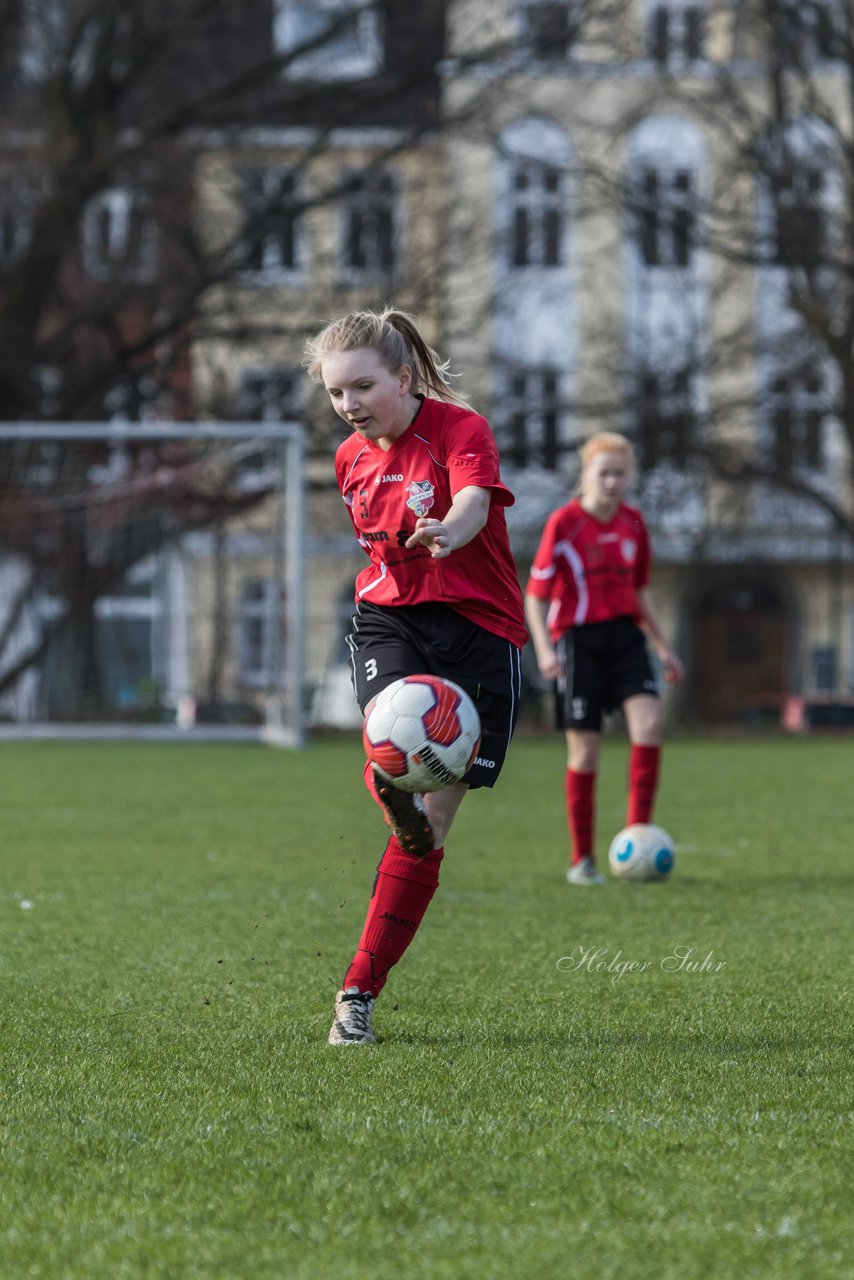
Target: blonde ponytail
[(396, 339)]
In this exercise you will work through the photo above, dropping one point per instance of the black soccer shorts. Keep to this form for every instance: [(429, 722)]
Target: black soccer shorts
[(603, 663), (389, 642)]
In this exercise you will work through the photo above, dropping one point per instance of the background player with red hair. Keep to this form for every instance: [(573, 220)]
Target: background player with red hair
[(589, 614)]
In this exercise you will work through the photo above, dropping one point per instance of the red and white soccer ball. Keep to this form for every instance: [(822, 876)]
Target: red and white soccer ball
[(641, 852), (422, 733)]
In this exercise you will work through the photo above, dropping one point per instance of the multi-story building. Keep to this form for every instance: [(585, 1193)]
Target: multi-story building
[(196, 192), (621, 270), (609, 214)]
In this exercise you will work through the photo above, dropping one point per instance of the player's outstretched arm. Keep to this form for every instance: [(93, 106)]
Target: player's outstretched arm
[(466, 517)]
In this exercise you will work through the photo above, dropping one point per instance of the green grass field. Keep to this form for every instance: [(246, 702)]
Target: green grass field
[(175, 920)]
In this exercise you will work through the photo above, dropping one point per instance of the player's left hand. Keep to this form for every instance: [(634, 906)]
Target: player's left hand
[(674, 672), (433, 535)]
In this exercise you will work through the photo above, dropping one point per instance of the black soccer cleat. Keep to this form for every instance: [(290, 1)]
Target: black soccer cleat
[(407, 817)]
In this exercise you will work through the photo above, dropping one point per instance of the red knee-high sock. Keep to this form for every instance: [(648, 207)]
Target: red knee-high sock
[(402, 892), (580, 812), (644, 766)]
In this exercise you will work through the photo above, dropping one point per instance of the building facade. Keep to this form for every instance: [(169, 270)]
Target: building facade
[(623, 214), (621, 271)]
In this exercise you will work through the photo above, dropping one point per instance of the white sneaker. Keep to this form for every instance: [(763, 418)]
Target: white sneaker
[(352, 1021), (584, 872)]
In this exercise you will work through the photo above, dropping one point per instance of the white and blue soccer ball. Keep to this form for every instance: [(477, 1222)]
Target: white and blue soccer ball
[(641, 852)]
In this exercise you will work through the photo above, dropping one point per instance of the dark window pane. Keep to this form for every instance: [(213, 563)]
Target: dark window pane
[(550, 443), (519, 441), (812, 441), (683, 231), (551, 238), (385, 238), (355, 251), (520, 238), (659, 35), (550, 31), (694, 33), (782, 426)]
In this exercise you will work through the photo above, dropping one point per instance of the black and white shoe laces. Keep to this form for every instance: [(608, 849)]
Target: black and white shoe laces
[(352, 1021)]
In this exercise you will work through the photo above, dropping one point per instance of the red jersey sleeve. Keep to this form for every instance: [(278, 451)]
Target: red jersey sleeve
[(341, 469), (472, 457), (644, 559), (542, 577)]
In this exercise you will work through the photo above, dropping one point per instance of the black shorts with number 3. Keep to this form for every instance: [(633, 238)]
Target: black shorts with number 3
[(603, 664), (389, 642)]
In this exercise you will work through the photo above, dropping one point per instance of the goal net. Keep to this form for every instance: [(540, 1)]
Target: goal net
[(151, 580)]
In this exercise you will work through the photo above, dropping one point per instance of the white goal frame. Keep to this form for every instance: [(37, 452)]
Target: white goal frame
[(285, 723)]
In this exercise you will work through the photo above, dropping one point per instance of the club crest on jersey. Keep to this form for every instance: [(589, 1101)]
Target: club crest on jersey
[(629, 550), (420, 498)]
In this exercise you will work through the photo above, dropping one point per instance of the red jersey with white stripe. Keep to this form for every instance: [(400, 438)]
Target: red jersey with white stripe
[(590, 570), (444, 449)]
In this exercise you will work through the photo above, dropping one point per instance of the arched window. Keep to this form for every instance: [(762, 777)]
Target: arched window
[(804, 34), (666, 158), (799, 239), (665, 290), (533, 314), (800, 191), (535, 179)]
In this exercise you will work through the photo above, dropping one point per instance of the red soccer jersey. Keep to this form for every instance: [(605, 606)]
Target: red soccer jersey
[(590, 571), (445, 449)]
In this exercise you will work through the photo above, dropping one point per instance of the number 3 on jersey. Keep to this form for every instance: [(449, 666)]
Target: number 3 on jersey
[(371, 669)]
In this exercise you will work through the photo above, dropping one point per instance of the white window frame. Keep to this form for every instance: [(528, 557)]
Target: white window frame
[(533, 404), (19, 194), (537, 146), (801, 401), (677, 394), (257, 471), (369, 200), (121, 205), (537, 202), (803, 34), (671, 200), (44, 32), (666, 146), (252, 611), (297, 23), (273, 270), (524, 28), (677, 56), (275, 406), (808, 147)]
